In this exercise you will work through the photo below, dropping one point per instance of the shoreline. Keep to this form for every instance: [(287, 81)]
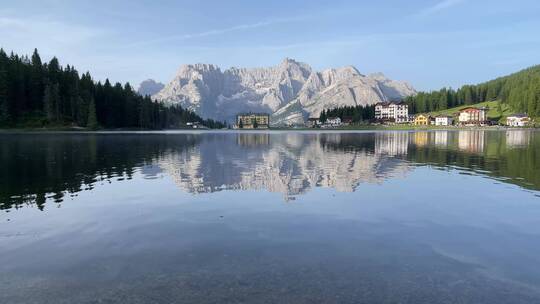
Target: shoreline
[(314, 130)]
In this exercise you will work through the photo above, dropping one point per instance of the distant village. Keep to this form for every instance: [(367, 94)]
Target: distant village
[(386, 113), (392, 113)]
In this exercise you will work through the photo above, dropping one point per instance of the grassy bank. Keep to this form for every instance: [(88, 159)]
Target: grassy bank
[(497, 111)]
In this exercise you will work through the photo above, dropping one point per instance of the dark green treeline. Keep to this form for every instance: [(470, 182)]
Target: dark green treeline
[(37, 94), (520, 91), (355, 113)]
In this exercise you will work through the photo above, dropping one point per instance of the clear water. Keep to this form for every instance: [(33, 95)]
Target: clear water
[(255, 217)]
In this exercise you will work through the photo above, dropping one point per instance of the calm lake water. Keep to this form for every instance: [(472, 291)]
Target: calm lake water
[(225, 217)]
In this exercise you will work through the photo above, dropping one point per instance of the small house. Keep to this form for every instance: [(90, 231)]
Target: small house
[(347, 120), (421, 120), (194, 125), (333, 121), (313, 122), (443, 120), (518, 120)]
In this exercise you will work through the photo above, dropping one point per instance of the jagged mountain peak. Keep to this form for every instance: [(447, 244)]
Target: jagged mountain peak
[(350, 69), (292, 62), (288, 60), (291, 91), (334, 75), (199, 67)]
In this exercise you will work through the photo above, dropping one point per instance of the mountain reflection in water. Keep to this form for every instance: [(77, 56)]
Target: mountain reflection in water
[(36, 167)]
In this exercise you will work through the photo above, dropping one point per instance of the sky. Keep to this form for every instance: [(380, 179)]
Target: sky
[(429, 43)]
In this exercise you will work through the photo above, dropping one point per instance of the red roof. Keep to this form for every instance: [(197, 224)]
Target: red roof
[(470, 109)]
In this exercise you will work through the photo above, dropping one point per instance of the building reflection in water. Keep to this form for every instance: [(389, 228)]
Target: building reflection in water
[(391, 143), (441, 138), (252, 140), (518, 138), (420, 138), (471, 141)]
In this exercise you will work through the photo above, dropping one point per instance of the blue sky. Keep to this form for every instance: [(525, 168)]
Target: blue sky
[(430, 43)]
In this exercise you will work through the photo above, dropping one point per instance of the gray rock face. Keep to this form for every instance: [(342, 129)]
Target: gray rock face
[(291, 91), (150, 87)]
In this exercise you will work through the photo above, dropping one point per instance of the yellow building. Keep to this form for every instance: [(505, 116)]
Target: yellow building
[(253, 121), (421, 120)]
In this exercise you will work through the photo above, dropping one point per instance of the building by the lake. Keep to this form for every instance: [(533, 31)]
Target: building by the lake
[(196, 125), (421, 120), (347, 120), (313, 122), (518, 120), (397, 112), (253, 121), (443, 120), (473, 116), (332, 122)]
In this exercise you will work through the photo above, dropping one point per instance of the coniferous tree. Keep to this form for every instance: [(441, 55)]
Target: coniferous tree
[(92, 118), (49, 106), (531, 106), (536, 97), (499, 108), (322, 116), (36, 81), (5, 115), (355, 113)]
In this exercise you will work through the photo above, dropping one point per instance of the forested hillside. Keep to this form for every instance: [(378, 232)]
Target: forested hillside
[(36, 94), (520, 91)]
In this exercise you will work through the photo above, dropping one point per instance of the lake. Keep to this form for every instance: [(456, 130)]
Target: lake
[(270, 217)]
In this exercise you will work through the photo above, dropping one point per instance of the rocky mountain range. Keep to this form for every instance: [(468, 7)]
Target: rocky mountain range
[(291, 91)]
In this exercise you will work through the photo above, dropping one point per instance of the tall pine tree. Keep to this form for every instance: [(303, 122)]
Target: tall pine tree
[(92, 117), (5, 115), (36, 81)]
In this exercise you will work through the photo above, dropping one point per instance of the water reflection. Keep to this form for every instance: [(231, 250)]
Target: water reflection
[(290, 164), (518, 138), (40, 167), (471, 141), (441, 138)]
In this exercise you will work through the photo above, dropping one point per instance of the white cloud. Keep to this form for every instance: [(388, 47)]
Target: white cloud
[(440, 6), (214, 32)]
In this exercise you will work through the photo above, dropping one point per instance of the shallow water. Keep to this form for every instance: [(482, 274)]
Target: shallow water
[(270, 217)]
